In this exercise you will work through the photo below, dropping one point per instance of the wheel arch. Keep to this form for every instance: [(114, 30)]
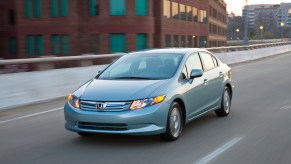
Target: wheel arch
[(183, 108), (228, 85)]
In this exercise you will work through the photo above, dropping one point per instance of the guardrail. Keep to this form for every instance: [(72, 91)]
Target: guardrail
[(245, 48), (46, 63), (258, 41)]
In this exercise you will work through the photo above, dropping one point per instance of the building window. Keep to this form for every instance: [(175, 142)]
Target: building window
[(141, 41), (33, 8), (12, 45), (94, 7), (95, 43), (176, 41), (190, 41), (59, 8), (195, 14), (200, 16), (141, 7), (182, 12), (34, 45), (117, 43), (189, 13), (117, 7), (204, 17), (60, 45), (195, 41), (168, 41), (167, 8), (203, 41), (175, 10), (11, 18), (183, 41)]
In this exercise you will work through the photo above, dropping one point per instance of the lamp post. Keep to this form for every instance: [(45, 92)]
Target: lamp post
[(246, 33), (261, 32), (194, 40), (237, 31), (282, 25)]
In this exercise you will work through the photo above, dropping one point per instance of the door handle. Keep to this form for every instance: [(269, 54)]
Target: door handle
[(205, 81), (220, 74)]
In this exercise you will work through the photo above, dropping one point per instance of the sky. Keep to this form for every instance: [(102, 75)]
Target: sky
[(237, 5)]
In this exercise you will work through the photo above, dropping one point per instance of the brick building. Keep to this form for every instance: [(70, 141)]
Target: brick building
[(34, 28)]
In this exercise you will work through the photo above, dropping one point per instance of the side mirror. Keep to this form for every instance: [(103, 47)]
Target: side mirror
[(196, 73)]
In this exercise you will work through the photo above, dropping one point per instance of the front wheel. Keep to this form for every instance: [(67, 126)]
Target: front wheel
[(85, 134), (174, 123), (225, 104)]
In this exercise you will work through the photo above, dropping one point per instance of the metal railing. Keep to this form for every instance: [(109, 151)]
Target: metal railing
[(47, 63)]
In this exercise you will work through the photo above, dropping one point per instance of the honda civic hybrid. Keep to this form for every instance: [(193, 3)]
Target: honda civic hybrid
[(151, 92)]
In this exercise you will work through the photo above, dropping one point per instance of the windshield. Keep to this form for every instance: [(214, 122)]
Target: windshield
[(143, 66)]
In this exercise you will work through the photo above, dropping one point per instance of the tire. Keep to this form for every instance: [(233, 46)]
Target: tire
[(174, 123), (225, 103), (84, 134)]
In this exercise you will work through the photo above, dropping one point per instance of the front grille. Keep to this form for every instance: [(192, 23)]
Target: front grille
[(110, 106), (102, 126)]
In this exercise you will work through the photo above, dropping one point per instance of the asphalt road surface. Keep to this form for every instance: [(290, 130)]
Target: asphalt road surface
[(258, 130)]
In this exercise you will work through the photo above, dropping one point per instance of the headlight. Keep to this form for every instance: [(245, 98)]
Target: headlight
[(138, 104), (74, 101)]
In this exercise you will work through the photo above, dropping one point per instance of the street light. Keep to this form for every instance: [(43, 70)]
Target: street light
[(282, 25), (261, 28), (194, 40), (237, 30)]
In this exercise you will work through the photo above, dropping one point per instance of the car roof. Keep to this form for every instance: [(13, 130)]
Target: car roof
[(170, 50)]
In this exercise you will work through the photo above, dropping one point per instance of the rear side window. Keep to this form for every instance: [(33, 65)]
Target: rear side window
[(207, 61), (215, 61)]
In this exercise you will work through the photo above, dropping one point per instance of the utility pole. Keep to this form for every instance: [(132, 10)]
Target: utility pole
[(246, 33)]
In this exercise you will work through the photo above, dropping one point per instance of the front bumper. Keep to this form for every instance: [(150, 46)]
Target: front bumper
[(147, 121)]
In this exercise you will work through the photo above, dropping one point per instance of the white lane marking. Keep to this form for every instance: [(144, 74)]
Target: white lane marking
[(12, 95), (259, 141), (30, 115), (286, 107), (218, 151)]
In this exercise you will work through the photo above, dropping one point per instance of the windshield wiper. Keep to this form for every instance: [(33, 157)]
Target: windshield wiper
[(136, 77)]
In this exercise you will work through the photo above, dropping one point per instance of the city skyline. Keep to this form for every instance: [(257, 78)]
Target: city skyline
[(236, 6)]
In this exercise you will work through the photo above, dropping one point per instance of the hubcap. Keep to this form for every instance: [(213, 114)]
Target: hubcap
[(226, 101), (175, 122)]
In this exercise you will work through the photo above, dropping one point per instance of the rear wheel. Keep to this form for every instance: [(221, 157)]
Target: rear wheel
[(225, 104), (174, 123)]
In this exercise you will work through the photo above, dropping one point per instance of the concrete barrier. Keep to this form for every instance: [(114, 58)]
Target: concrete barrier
[(242, 56), (19, 89), (30, 87)]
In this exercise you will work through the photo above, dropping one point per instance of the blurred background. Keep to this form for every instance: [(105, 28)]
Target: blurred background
[(59, 28)]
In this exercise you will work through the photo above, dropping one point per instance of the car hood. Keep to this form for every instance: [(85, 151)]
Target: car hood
[(118, 90)]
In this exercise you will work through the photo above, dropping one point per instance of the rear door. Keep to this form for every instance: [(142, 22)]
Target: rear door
[(212, 80)]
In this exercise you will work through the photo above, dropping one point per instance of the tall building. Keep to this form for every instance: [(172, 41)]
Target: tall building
[(280, 12), (284, 14), (267, 18), (34, 28), (249, 11), (217, 23)]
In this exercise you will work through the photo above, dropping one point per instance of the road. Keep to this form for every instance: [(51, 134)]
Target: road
[(258, 130)]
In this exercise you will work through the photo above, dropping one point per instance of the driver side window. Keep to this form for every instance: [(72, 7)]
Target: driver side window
[(193, 62)]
